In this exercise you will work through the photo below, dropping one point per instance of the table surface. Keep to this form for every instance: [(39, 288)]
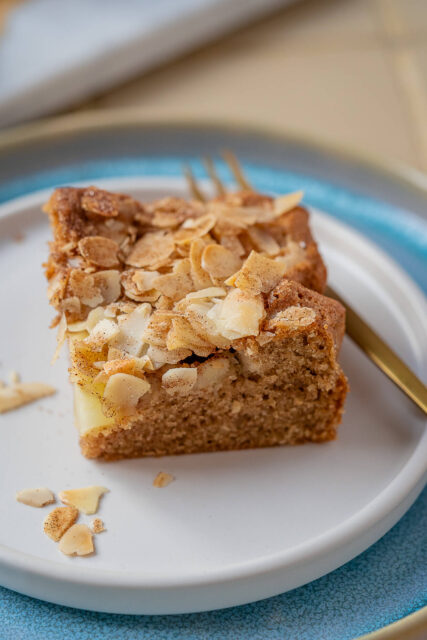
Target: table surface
[(352, 72)]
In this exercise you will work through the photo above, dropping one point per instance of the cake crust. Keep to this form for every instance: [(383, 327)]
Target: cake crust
[(194, 326)]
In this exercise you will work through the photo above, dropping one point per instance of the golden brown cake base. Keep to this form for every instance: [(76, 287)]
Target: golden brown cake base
[(296, 394)]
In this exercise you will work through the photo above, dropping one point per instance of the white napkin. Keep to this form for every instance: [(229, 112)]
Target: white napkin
[(56, 52)]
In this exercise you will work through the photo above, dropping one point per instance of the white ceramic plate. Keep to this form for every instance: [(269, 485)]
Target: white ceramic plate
[(234, 527)]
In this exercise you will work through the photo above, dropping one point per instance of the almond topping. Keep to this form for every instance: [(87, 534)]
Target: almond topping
[(286, 203), (35, 497), (99, 250), (258, 274), (108, 282), (101, 202), (152, 248), (83, 286), (179, 381), (78, 540), (194, 228), (58, 521), (199, 276), (177, 284), (124, 390), (85, 499), (219, 262), (162, 479), (23, 393), (60, 337)]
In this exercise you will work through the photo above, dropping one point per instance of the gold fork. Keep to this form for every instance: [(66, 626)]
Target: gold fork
[(363, 335)]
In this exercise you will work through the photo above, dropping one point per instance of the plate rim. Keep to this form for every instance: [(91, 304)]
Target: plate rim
[(277, 562), (124, 117)]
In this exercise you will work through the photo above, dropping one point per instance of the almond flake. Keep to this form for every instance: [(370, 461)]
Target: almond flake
[(258, 274), (179, 381), (161, 356), (103, 332), (182, 334), (263, 241), (108, 283), (85, 499), (283, 204), (212, 372), (199, 276), (219, 262), (194, 228), (132, 366), (58, 521), (23, 393), (238, 315), (132, 327), (152, 248), (233, 244), (97, 525), (99, 250), (157, 328), (177, 284), (83, 286), (60, 337), (210, 292), (35, 497), (124, 390), (78, 540), (162, 479), (100, 202)]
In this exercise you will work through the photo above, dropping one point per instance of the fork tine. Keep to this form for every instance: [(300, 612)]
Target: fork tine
[(236, 170), (212, 172), (192, 184)]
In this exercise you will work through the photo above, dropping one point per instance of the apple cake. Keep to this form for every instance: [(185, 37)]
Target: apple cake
[(193, 326)]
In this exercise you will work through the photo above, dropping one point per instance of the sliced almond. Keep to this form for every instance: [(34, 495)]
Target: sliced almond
[(182, 334), (102, 333), (132, 328), (35, 497), (167, 356), (108, 282), (210, 292), (23, 393), (263, 241), (97, 525), (179, 381), (162, 479), (194, 228), (60, 337), (199, 276), (85, 499), (258, 274), (233, 244), (58, 521), (84, 287), (219, 262), (99, 250), (100, 202), (212, 372), (157, 328), (238, 315), (176, 285), (78, 540), (124, 391), (152, 248), (283, 204), (131, 366)]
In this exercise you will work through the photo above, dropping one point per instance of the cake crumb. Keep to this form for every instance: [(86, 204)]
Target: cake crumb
[(78, 540), (85, 499), (39, 497), (58, 521), (162, 479), (97, 525)]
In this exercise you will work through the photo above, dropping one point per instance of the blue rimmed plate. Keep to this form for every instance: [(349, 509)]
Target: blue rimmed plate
[(253, 523)]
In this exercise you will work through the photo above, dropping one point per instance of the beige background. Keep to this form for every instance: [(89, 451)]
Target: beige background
[(352, 72)]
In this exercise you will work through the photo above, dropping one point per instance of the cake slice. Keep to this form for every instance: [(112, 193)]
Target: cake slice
[(194, 326)]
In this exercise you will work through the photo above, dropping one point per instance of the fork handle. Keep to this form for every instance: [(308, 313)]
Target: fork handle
[(382, 355)]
